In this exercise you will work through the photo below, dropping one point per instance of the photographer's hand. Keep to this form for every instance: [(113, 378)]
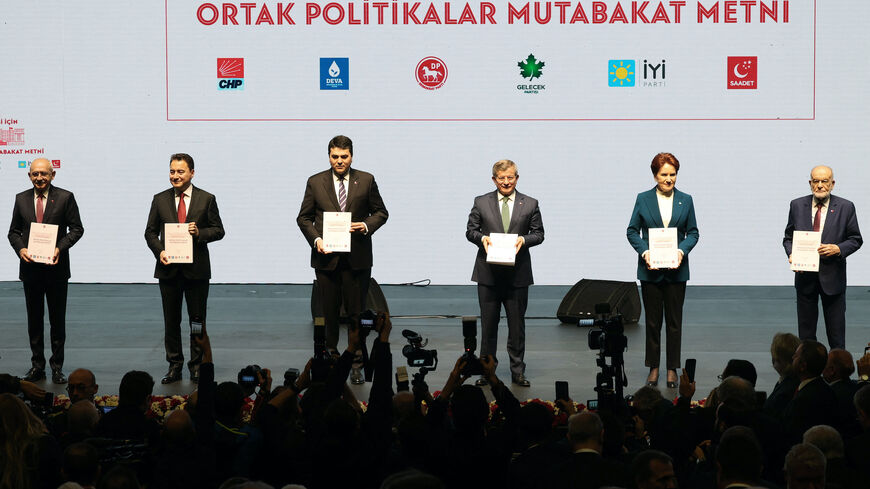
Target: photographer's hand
[(304, 379), (32, 391), (385, 326), (687, 388), (566, 405), (488, 364), (264, 377), (455, 379), (204, 343)]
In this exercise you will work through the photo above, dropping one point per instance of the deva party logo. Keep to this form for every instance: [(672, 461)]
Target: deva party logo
[(334, 73)]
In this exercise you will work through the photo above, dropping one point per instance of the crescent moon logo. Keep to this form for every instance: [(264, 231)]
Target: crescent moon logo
[(737, 72)]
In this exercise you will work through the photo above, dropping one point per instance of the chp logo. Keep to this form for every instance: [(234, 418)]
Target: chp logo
[(742, 72), (531, 68), (334, 73), (231, 73), (431, 73)]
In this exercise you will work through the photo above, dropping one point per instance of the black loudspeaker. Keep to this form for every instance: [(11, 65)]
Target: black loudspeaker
[(375, 301), (579, 302)]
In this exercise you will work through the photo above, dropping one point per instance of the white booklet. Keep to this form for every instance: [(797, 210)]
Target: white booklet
[(805, 251), (336, 231), (502, 249), (42, 242), (663, 248), (178, 242)]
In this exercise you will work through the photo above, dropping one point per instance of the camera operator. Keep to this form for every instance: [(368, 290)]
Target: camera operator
[(474, 443), (14, 385)]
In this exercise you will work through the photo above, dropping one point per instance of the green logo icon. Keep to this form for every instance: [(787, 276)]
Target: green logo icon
[(531, 68)]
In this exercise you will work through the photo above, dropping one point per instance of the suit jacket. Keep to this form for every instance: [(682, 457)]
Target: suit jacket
[(203, 211), (646, 215), (485, 219), (60, 209), (841, 229), (813, 405), (365, 204)]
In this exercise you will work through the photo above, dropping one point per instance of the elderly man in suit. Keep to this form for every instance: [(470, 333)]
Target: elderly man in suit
[(835, 218), (45, 203), (342, 276), (183, 203), (504, 210)]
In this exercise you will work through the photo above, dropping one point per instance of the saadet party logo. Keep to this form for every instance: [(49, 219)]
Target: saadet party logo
[(231, 73), (334, 74), (531, 68), (431, 73), (620, 73), (742, 72)]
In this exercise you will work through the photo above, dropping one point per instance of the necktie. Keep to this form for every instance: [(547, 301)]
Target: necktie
[(182, 209), (342, 194), (40, 208), (818, 219), (505, 214)]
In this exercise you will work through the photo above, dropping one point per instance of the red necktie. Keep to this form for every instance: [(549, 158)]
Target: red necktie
[(182, 209), (818, 220), (40, 208)]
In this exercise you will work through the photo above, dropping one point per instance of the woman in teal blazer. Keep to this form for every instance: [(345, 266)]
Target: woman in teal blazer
[(663, 289)]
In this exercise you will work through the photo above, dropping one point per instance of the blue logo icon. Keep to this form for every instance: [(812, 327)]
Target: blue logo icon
[(621, 73), (22, 164), (334, 74)]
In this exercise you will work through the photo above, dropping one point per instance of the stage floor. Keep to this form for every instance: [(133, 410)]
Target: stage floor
[(113, 328)]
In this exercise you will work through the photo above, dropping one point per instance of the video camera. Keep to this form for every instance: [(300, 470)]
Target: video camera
[(610, 341), (469, 332), (42, 408), (417, 356)]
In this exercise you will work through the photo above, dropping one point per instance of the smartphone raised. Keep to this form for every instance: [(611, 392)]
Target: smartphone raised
[(691, 363), (562, 390)]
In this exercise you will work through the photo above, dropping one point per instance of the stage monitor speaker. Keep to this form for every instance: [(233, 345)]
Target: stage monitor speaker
[(375, 301), (579, 302)]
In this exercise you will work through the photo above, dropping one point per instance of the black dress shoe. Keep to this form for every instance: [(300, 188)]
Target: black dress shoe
[(34, 374), (171, 376), (57, 376), (481, 382), (521, 380)]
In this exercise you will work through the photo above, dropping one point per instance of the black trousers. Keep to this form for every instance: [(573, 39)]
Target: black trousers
[(663, 298), (36, 294), (342, 284), (515, 300), (195, 293), (833, 308)]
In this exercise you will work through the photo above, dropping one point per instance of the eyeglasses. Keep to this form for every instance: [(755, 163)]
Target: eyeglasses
[(80, 387)]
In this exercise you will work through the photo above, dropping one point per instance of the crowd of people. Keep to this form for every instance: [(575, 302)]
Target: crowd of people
[(811, 430)]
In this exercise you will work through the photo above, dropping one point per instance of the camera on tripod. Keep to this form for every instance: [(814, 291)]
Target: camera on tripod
[(610, 341)]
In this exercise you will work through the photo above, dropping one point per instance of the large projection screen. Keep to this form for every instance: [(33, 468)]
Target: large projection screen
[(749, 95)]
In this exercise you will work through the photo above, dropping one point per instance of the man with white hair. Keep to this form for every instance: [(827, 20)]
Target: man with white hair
[(805, 467)]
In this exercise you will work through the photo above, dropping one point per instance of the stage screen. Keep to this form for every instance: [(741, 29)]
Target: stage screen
[(749, 95)]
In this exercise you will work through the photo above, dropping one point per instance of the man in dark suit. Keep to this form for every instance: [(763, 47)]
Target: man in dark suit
[(183, 203), (504, 211), (814, 402), (45, 203), (835, 218), (342, 276), (586, 468)]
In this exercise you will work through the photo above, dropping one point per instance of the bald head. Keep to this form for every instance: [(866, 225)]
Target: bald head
[(82, 417), (403, 405), (585, 430), (178, 427), (41, 174), (840, 365), (82, 385)]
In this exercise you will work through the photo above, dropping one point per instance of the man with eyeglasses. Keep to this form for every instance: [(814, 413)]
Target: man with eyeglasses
[(504, 210), (82, 386), (45, 283), (835, 218)]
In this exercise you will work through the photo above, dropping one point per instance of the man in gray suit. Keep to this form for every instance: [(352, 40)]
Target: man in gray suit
[(504, 211)]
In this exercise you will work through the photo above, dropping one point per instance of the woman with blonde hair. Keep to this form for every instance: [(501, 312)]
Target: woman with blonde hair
[(29, 458)]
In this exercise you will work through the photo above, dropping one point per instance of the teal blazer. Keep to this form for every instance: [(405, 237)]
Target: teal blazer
[(646, 215)]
